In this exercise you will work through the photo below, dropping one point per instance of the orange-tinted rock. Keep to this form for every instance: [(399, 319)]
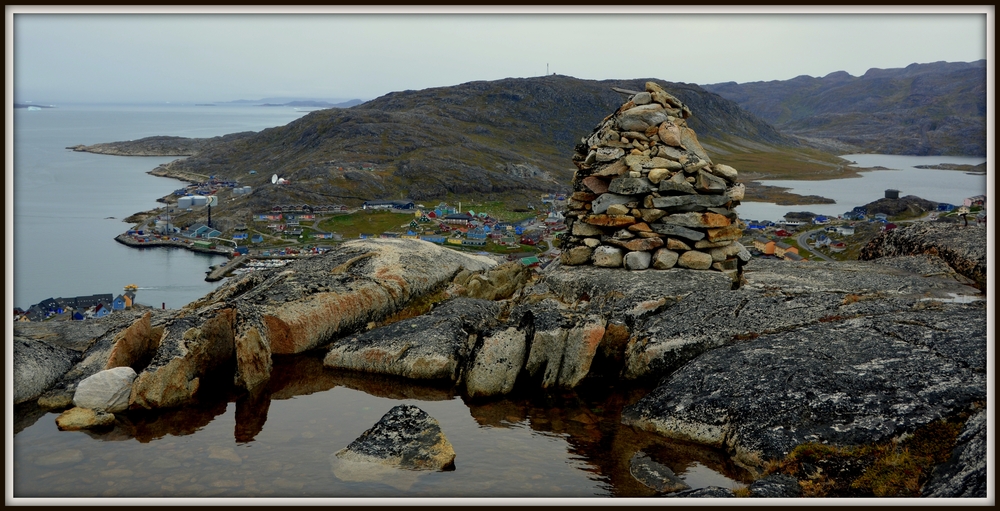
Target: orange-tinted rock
[(135, 346), (610, 220), (729, 233), (596, 185)]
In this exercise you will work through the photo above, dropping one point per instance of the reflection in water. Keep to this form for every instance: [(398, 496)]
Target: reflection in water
[(278, 441)]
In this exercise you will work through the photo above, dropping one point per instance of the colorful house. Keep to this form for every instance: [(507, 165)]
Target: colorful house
[(764, 245), (781, 249)]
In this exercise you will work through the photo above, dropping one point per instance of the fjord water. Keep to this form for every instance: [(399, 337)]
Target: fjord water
[(68, 206), (950, 186)]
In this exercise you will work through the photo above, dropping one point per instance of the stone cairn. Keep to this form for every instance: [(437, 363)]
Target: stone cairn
[(646, 194)]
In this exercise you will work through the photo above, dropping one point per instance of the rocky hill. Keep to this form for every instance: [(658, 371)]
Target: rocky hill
[(160, 145), (922, 109), (485, 139)]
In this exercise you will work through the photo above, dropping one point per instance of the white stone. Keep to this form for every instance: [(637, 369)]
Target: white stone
[(637, 260), (106, 391), (736, 192), (725, 171), (607, 257)]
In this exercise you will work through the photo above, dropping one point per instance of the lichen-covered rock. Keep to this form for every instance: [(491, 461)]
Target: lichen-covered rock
[(709, 492), (405, 437), (38, 365), (845, 381), (106, 391), (776, 486), (497, 361), (563, 345), (964, 475), (780, 295), (432, 346), (963, 249)]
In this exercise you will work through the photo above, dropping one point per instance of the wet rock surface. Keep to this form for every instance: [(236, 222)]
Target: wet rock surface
[(405, 437), (657, 476), (847, 353)]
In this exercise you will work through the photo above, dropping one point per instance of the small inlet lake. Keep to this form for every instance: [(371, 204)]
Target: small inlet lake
[(280, 442), (950, 186)]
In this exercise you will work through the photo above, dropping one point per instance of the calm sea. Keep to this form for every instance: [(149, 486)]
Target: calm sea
[(69, 206)]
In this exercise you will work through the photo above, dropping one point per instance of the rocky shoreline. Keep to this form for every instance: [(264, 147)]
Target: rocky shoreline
[(854, 353)]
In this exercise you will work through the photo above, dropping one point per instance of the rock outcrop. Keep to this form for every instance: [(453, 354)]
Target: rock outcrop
[(964, 249), (846, 353), (38, 365), (79, 418), (432, 346), (646, 194), (291, 310), (964, 475)]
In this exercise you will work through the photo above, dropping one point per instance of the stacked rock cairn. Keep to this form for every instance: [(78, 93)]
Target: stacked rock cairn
[(646, 194)]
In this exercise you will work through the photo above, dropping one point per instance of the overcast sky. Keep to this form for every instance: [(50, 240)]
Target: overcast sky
[(87, 57)]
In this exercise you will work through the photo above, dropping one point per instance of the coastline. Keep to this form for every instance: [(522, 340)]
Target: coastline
[(131, 241)]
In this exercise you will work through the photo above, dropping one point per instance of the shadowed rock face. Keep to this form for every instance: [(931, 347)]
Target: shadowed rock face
[(964, 475)]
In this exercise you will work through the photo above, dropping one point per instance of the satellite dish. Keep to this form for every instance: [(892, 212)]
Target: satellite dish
[(274, 179), (213, 200)]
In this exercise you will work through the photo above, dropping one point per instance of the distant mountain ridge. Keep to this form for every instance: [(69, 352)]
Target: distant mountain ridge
[(502, 138), (922, 109)]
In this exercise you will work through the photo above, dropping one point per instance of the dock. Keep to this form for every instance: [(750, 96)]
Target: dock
[(218, 272)]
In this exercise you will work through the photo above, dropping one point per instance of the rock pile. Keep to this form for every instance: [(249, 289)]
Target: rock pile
[(646, 194)]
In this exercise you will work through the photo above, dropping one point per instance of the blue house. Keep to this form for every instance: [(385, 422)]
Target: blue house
[(257, 238), (240, 236), (945, 207), (118, 303), (101, 310)]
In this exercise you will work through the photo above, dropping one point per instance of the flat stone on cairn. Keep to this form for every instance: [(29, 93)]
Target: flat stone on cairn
[(644, 182)]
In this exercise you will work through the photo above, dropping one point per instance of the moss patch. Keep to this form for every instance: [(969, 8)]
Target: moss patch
[(898, 468)]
